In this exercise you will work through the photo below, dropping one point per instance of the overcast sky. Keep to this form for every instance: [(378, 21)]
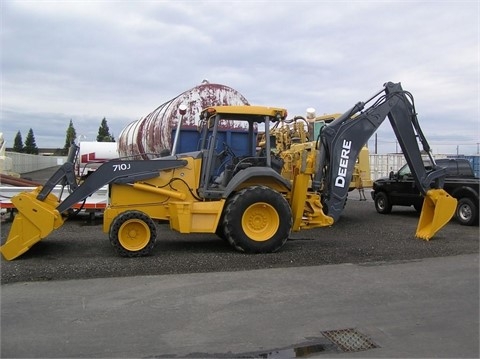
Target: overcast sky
[(86, 60)]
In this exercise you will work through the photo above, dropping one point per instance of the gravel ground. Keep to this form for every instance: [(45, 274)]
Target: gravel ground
[(80, 249)]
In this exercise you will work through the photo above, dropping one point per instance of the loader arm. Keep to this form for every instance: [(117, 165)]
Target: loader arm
[(341, 141), (118, 171), (40, 212)]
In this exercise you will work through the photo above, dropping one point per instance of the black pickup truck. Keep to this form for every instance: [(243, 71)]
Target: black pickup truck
[(399, 189)]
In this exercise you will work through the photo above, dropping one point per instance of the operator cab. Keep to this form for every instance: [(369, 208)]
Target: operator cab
[(223, 162)]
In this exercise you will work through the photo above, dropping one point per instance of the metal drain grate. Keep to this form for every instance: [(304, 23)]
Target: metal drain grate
[(349, 340)]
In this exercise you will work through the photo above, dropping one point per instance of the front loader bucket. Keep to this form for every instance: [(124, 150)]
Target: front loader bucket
[(34, 221), (438, 209)]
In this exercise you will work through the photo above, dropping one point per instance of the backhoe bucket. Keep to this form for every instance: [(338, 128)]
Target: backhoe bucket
[(34, 221), (438, 209)]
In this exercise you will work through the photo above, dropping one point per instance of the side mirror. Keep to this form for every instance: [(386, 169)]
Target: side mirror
[(391, 175)]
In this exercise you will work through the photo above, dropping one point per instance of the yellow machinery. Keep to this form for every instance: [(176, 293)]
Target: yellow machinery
[(243, 194)]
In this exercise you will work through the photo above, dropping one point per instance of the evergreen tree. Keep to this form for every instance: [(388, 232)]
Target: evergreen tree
[(104, 132), (30, 145), (18, 143), (71, 136)]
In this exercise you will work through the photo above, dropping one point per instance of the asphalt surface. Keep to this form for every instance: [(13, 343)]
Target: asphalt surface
[(424, 308)]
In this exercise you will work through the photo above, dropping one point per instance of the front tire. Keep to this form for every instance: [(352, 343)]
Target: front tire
[(382, 203), (133, 234), (257, 220), (466, 212)]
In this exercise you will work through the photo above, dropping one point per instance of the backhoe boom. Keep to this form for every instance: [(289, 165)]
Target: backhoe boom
[(341, 141)]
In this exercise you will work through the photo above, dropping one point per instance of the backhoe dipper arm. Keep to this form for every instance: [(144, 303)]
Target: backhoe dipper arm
[(342, 140)]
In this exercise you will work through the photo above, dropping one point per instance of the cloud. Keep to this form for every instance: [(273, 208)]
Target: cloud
[(83, 61)]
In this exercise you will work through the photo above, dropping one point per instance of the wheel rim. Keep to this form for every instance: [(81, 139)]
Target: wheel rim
[(260, 221), (465, 212), (134, 235), (381, 203)]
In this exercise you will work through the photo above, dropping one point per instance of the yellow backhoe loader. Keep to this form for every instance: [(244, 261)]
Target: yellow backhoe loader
[(243, 199)]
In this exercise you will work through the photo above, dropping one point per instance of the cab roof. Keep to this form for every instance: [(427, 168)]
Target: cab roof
[(246, 113)]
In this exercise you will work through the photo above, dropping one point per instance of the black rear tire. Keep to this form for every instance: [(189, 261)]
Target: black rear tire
[(382, 203), (257, 219), (220, 231)]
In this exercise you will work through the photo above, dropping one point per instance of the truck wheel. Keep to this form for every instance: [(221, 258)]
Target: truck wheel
[(133, 234), (382, 203), (418, 207), (257, 220), (466, 212)]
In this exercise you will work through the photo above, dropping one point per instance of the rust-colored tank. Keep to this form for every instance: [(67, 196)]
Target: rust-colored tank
[(147, 137)]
